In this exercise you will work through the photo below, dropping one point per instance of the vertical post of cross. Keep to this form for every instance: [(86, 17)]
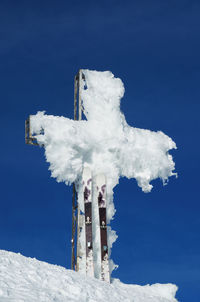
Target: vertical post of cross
[(83, 222), (31, 140), (76, 217)]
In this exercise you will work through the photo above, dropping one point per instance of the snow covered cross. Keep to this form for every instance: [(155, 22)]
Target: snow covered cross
[(93, 154)]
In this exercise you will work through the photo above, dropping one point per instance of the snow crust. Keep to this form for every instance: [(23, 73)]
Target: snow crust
[(105, 143), (25, 279)]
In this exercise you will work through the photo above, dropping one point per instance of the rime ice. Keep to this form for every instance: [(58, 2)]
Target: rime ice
[(105, 142)]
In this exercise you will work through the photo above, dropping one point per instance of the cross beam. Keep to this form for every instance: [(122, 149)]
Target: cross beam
[(29, 139)]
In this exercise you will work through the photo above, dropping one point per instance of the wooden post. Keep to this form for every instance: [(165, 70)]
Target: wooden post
[(76, 216)]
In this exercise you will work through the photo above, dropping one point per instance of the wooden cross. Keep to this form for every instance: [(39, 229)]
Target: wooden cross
[(150, 149)]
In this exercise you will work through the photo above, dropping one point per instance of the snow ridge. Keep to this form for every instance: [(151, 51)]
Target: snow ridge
[(25, 279)]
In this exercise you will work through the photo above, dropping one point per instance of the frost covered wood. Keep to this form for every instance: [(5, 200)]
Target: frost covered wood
[(105, 142), (24, 279)]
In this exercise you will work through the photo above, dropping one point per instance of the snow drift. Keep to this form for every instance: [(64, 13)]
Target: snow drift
[(29, 280), (104, 142)]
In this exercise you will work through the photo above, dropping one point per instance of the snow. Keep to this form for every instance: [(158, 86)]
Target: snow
[(25, 279), (105, 143)]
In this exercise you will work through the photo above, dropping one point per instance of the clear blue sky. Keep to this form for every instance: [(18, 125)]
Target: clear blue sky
[(153, 46)]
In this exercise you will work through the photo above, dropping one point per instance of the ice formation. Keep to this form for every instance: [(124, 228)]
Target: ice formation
[(24, 279), (104, 142)]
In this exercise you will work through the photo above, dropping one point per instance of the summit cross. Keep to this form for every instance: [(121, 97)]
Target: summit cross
[(92, 154)]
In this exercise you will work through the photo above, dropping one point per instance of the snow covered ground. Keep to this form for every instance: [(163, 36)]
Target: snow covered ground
[(25, 279)]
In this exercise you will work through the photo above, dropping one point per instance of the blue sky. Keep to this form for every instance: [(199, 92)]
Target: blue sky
[(153, 46)]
